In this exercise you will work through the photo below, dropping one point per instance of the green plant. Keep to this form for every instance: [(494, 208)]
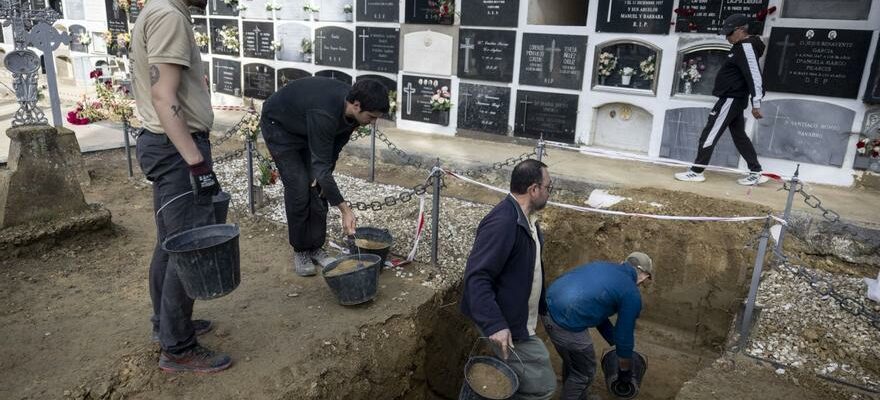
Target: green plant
[(306, 46)]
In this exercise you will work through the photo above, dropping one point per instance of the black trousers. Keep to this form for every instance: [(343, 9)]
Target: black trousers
[(304, 207), (727, 113), (163, 165)]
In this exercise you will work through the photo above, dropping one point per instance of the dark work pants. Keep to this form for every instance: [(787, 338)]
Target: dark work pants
[(163, 165), (306, 211), (727, 113), (578, 359)]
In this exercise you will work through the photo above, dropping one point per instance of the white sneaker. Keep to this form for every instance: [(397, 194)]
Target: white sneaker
[(755, 178), (690, 176)]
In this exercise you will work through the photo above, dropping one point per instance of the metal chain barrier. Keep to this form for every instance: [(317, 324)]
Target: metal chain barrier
[(229, 156), (402, 197), (814, 202)]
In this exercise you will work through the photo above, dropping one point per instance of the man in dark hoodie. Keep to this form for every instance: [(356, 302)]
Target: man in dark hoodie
[(504, 280), (306, 124), (739, 78)]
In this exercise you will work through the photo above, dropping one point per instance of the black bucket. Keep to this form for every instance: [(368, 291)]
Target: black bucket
[(221, 207), (207, 260), (610, 366), (468, 392), (373, 235), (357, 286)]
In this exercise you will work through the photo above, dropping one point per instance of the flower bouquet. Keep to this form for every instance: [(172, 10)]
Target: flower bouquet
[(647, 67), (306, 48), (267, 173), (392, 102), (442, 10), (441, 102), (202, 39), (348, 9), (272, 5), (626, 74), (276, 45), (691, 73), (229, 38), (85, 39), (868, 147), (249, 127), (607, 64)]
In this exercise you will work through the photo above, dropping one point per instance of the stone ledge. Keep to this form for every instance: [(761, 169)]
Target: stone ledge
[(18, 238)]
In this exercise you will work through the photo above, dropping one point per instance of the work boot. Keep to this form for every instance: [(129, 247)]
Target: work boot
[(201, 326), (320, 257), (302, 263), (196, 359)]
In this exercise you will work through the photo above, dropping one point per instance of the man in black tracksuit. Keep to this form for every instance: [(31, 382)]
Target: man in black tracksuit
[(306, 124), (739, 78)]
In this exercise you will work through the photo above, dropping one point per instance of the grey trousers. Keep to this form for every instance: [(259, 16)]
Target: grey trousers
[(537, 381), (578, 359), (163, 165)]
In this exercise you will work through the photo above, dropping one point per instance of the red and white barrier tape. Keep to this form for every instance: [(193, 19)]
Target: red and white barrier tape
[(621, 213), (420, 228)]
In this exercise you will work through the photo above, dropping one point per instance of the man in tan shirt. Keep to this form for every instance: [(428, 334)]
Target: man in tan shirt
[(174, 152)]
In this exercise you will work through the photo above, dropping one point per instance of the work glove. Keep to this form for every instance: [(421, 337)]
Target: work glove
[(624, 387), (624, 376), (204, 183)]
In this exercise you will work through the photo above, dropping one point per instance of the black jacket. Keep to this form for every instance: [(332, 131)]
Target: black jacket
[(311, 111), (499, 272), (740, 76)]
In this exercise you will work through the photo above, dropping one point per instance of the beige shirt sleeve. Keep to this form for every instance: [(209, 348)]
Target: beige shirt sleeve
[(167, 40)]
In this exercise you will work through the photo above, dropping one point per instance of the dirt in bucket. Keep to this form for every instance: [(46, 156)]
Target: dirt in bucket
[(489, 381), (345, 267), (370, 244)]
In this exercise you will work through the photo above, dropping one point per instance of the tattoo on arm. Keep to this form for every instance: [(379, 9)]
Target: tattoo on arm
[(176, 108), (154, 75)]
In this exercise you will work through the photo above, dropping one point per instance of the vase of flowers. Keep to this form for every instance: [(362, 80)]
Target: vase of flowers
[(442, 10), (272, 5), (392, 102), (868, 147), (202, 40), (265, 175), (85, 40), (626, 74), (691, 73), (348, 9), (311, 11), (276, 45), (647, 68), (607, 64), (440, 102), (229, 39), (306, 48)]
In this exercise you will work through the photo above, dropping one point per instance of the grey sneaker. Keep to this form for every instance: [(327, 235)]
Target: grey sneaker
[(690, 176), (302, 263), (320, 257), (196, 359), (754, 178)]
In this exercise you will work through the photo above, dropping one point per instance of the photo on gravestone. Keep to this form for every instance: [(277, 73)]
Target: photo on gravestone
[(427, 52), (827, 9), (551, 115), (378, 49), (822, 62), (872, 92), (626, 65), (377, 11), (287, 75), (486, 54), (333, 47), (258, 37), (391, 85), (558, 12), (226, 77), (483, 108), (225, 37), (682, 128), (334, 74), (75, 10), (706, 16), (334, 10), (291, 36), (77, 33), (224, 8), (257, 9), (553, 60), (502, 13), (807, 131), (201, 35), (438, 12), (697, 68), (630, 16), (99, 43), (292, 10), (416, 99), (622, 126), (259, 81)]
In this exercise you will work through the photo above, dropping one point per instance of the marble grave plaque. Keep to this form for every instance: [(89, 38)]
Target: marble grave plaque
[(217, 46), (710, 14), (483, 108), (427, 52), (227, 77), (502, 13), (333, 47), (827, 9), (634, 16), (259, 81), (808, 131), (256, 9), (377, 11), (378, 49), (334, 74), (75, 9), (416, 92), (486, 54), (552, 115), (422, 12), (287, 75), (681, 134), (291, 35), (76, 31), (220, 8), (553, 60), (333, 10), (623, 126), (257, 39), (292, 10)]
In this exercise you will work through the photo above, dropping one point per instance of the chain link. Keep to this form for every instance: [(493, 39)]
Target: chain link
[(229, 156), (497, 165), (814, 202), (400, 198)]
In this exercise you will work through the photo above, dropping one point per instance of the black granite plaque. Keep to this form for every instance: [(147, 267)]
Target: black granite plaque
[(259, 81), (193, 10), (133, 12), (257, 39), (333, 47), (200, 25), (287, 75), (378, 49), (553, 60), (217, 45), (227, 77), (706, 16), (681, 134), (76, 32), (219, 7), (117, 19), (552, 115), (390, 84), (827, 9), (486, 54), (823, 62), (483, 108), (809, 131), (634, 16), (338, 75), (490, 12), (378, 11), (415, 93), (424, 12), (872, 93)]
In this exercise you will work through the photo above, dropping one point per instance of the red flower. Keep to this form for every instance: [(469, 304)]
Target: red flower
[(108, 84), (74, 118), (860, 144), (692, 26), (762, 14), (96, 74)]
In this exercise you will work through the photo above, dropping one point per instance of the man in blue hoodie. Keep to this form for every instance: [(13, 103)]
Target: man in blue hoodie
[(585, 297), (504, 280)]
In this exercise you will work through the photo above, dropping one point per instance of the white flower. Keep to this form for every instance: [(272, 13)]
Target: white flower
[(241, 7), (276, 44)]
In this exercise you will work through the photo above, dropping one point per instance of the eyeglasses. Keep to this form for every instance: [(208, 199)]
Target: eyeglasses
[(548, 187)]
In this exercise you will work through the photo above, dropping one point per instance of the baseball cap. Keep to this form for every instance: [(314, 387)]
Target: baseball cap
[(642, 262), (732, 22)]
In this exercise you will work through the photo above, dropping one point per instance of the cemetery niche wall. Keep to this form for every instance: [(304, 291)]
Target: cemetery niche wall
[(623, 126), (499, 13), (697, 67), (629, 16), (483, 108), (805, 131), (681, 134), (627, 65), (552, 116)]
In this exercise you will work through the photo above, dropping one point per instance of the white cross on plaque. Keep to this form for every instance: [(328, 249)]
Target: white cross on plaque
[(467, 46), (525, 102), (785, 45), (320, 45), (363, 35), (466, 95), (553, 51), (409, 90)]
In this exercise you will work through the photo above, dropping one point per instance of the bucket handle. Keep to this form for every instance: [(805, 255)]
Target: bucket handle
[(476, 342), (171, 201)]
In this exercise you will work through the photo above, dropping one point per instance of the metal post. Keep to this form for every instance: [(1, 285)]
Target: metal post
[(373, 152), (435, 213), (125, 129), (250, 168), (795, 181), (746, 324), (539, 149)]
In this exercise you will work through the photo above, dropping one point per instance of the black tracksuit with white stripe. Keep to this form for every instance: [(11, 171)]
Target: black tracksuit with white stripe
[(738, 79)]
